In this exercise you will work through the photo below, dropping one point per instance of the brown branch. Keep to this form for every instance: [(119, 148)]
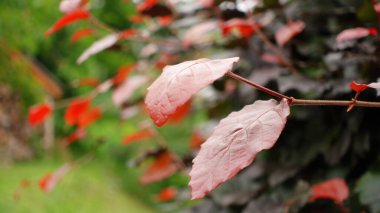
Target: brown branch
[(293, 101), (259, 87), (332, 103), (276, 51)]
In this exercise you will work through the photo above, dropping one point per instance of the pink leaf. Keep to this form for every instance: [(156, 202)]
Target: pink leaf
[(178, 83), (105, 86), (335, 189), (374, 85), (67, 6), (123, 92), (272, 58), (355, 33), (48, 182), (199, 34), (99, 46), (235, 143), (377, 7), (287, 32)]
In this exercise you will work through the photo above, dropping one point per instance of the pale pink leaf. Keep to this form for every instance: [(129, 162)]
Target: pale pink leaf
[(377, 7), (99, 46), (235, 143), (105, 86), (200, 33), (287, 32), (178, 83), (272, 58), (123, 92), (50, 181), (66, 6), (354, 33), (374, 85)]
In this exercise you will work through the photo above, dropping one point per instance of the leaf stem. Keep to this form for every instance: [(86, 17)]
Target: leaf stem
[(259, 87), (293, 101)]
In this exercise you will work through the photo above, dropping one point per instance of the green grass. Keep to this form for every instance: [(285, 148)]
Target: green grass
[(89, 188)]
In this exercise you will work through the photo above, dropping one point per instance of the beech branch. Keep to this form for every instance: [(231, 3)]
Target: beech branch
[(293, 101)]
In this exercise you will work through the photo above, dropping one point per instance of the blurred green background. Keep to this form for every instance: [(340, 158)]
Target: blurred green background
[(103, 184)]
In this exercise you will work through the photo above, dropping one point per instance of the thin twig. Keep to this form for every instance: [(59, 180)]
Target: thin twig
[(101, 24), (293, 101), (276, 51), (259, 87), (333, 103)]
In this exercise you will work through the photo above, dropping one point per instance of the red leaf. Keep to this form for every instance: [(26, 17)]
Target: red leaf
[(165, 20), (38, 113), (81, 34), (75, 136), (162, 168), (200, 34), (179, 82), (146, 5), (180, 113), (358, 87), (287, 32), (196, 140), (122, 73), (99, 46), (140, 135), (25, 183), (68, 19), (87, 82), (235, 143), (124, 91), (164, 60), (49, 181), (67, 6), (137, 19), (167, 194), (361, 87), (245, 27), (335, 189), (75, 109), (355, 33), (89, 116), (125, 34)]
